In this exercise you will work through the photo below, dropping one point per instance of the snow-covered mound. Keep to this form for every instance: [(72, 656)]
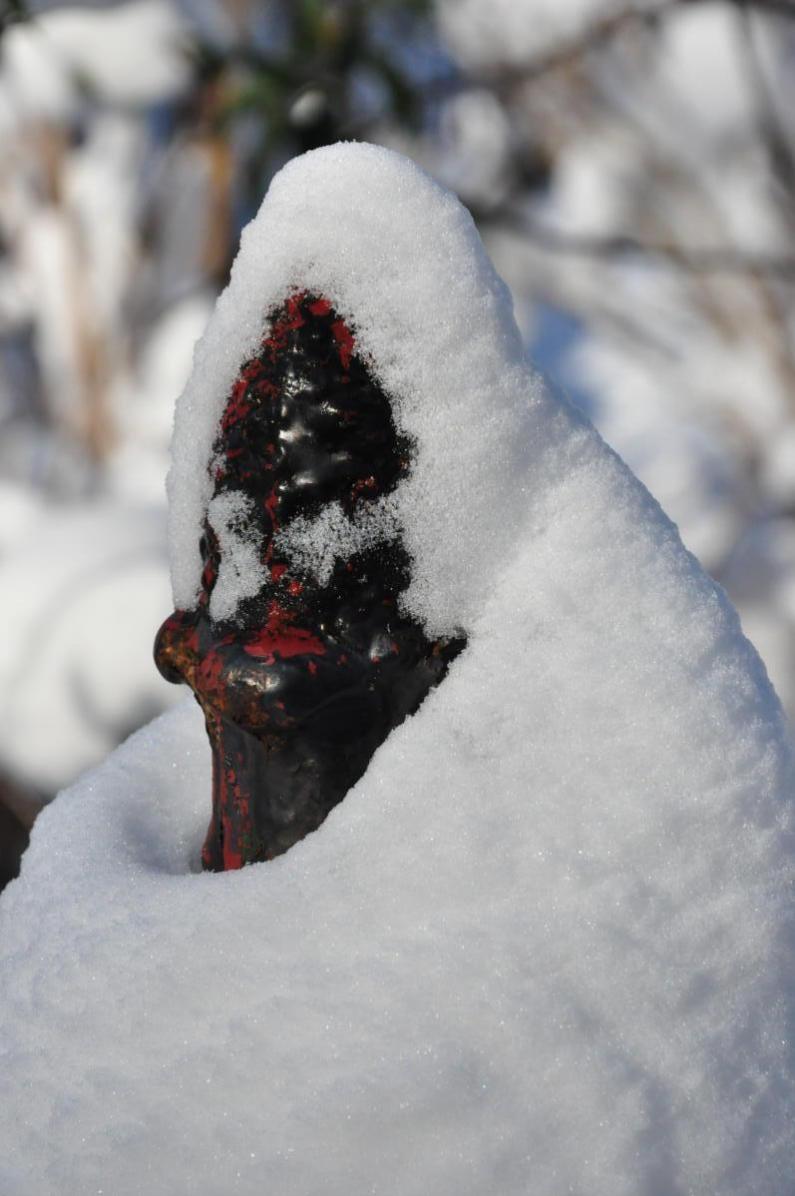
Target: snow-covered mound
[(545, 944)]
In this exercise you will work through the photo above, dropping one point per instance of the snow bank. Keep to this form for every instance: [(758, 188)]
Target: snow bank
[(545, 944)]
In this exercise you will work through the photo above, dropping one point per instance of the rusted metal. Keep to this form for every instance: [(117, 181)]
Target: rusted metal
[(308, 680)]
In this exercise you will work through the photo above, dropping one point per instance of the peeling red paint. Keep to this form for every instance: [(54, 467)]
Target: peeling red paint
[(281, 639), (345, 342)]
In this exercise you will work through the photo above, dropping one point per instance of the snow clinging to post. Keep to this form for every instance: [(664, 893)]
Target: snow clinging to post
[(557, 907), (241, 573), (350, 222)]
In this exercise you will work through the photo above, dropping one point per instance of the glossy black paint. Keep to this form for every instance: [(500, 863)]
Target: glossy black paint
[(306, 682)]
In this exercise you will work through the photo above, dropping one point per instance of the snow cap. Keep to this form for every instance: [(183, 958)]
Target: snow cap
[(401, 262)]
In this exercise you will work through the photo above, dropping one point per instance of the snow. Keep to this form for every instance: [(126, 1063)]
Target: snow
[(697, 485), (654, 136), (241, 573), (512, 32), (130, 54), (702, 62), (20, 509), (545, 944), (315, 545), (473, 157), (411, 326), (84, 587), (144, 408)]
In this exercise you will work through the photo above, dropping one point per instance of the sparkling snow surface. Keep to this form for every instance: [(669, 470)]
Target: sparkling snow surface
[(545, 945)]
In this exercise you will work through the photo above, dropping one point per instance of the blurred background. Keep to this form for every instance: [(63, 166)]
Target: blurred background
[(631, 167)]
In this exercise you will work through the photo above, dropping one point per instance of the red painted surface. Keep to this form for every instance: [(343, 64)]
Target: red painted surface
[(298, 695), (283, 639), (344, 338), (208, 667)]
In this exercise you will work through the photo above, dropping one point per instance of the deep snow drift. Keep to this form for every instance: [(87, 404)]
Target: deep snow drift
[(545, 944)]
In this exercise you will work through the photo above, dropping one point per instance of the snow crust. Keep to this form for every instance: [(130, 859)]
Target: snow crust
[(546, 943)]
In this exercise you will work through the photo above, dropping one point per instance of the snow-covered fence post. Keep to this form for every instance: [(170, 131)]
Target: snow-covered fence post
[(301, 672), (558, 906)]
